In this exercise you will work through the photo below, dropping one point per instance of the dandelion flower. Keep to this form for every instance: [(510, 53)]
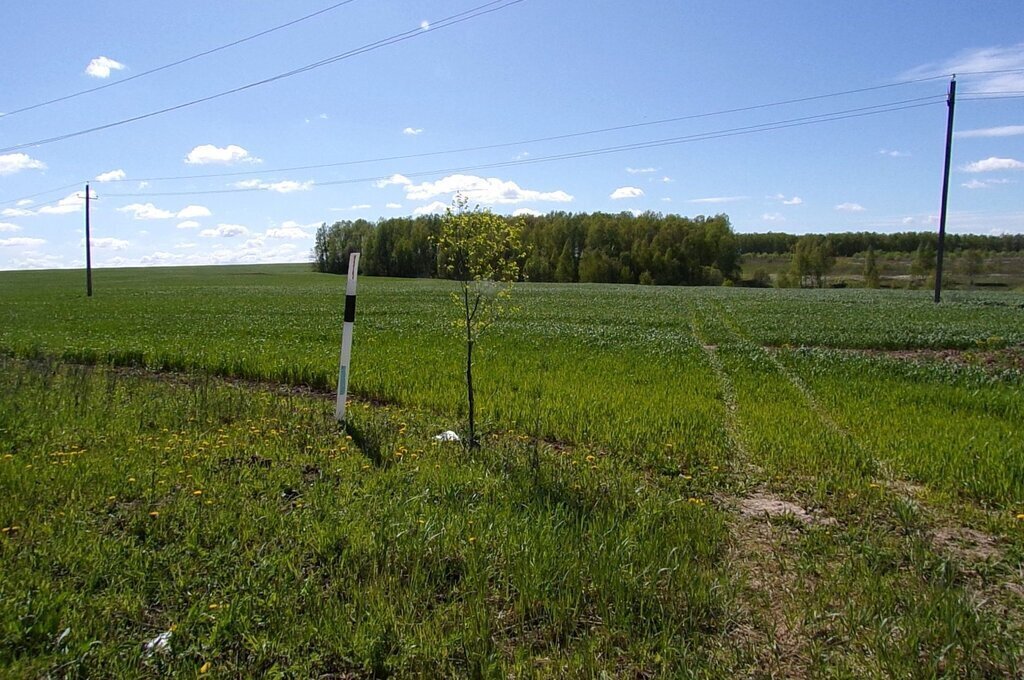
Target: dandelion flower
[(154, 514), (205, 667), (197, 492)]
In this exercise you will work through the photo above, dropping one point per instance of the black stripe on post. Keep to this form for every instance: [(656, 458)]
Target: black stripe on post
[(350, 308)]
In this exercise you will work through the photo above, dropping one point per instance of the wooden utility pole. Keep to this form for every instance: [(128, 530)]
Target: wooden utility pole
[(88, 248), (951, 103)]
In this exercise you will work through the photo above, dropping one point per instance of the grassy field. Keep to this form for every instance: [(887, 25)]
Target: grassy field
[(674, 482)]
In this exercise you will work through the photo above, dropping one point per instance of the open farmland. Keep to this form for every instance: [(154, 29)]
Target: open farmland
[(674, 481)]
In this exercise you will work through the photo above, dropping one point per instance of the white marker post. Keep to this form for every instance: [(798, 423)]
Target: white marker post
[(346, 336)]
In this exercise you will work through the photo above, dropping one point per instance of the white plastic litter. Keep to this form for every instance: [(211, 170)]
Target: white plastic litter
[(447, 436), (161, 643)]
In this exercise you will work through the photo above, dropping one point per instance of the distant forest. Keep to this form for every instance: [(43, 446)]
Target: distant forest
[(649, 248)]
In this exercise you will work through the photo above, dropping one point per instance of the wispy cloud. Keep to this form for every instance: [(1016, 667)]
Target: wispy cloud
[(435, 208), (20, 242), (411, 131), (773, 217), (983, 61), (8, 227), (519, 212), (850, 207), (100, 67), (641, 171), (719, 199), (993, 164), (893, 153), (1001, 131), (486, 190), (983, 183), (283, 187), (225, 231)]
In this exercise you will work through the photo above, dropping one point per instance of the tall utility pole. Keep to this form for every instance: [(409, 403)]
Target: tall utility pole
[(951, 103), (88, 248)]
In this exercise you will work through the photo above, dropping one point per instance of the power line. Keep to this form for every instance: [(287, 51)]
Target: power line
[(731, 132), (536, 140), (41, 193), (179, 62), (481, 10)]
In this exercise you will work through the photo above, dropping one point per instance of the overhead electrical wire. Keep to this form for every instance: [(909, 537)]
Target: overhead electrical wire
[(535, 140), (458, 18), (179, 62), (718, 134)]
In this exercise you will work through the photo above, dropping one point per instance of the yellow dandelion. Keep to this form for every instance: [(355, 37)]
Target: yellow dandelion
[(131, 479), (154, 514), (472, 539), (1021, 516), (111, 498), (205, 667), (197, 492), (590, 459)]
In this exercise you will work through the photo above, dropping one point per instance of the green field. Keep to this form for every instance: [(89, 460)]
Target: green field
[(674, 481)]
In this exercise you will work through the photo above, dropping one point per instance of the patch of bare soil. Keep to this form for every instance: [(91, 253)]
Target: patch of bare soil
[(760, 506), (967, 544), (1006, 358)]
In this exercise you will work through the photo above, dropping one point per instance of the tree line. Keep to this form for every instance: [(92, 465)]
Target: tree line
[(646, 248)]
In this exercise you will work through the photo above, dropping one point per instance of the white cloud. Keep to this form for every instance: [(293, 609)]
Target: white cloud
[(192, 211), (907, 220), (185, 246), (111, 176), (773, 217), (225, 231), (626, 192), (992, 164), (640, 171), (666, 180), (288, 186), (411, 131), (526, 211), (425, 25), (984, 183), (15, 212), (986, 60), (435, 208), (288, 230), (394, 179), (283, 187), (1002, 131), (20, 242), (23, 202), (68, 204), (796, 200), (850, 207), (143, 184), (8, 227), (207, 154), (892, 153), (718, 199), (147, 211), (361, 206), (16, 162), (189, 224), (490, 190), (393, 206), (667, 200), (100, 67), (108, 243)]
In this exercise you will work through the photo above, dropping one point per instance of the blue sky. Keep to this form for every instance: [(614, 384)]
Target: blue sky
[(400, 126)]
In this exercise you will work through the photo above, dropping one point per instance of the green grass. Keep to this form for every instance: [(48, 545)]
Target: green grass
[(597, 529)]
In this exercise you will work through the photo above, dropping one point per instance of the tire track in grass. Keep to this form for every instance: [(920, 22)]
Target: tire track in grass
[(809, 396)]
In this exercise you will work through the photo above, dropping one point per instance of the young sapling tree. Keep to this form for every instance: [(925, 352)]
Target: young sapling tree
[(483, 253)]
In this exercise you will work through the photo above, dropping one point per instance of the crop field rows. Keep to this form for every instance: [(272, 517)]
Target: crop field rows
[(680, 482)]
